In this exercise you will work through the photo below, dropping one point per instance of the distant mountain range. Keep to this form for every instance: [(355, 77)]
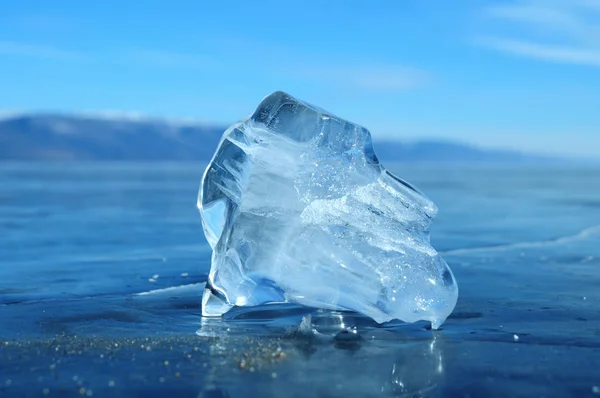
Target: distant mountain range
[(59, 137)]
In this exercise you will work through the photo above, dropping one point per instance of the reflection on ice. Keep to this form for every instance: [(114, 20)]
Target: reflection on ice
[(320, 363), (419, 373)]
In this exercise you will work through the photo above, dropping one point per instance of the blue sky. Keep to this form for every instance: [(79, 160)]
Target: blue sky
[(512, 74)]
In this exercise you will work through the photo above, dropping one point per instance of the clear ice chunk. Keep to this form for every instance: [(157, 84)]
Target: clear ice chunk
[(297, 208)]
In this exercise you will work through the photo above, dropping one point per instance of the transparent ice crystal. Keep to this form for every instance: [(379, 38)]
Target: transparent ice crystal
[(297, 208)]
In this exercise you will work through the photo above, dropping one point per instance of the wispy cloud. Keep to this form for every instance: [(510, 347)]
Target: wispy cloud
[(565, 31), (169, 59), (378, 77), (569, 54), (322, 68), (11, 48), (311, 68)]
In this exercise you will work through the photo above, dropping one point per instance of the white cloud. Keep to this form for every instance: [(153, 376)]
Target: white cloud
[(374, 77), (526, 12), (565, 31), (385, 78), (574, 55)]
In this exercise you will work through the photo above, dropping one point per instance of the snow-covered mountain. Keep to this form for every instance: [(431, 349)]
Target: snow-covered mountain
[(61, 137)]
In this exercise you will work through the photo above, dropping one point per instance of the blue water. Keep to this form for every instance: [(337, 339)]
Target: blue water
[(102, 267)]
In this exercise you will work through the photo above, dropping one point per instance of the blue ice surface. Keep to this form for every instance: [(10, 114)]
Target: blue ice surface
[(102, 267)]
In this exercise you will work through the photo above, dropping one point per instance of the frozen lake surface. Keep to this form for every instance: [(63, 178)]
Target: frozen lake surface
[(102, 268)]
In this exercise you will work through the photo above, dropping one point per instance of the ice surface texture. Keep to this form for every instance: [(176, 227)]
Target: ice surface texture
[(298, 209)]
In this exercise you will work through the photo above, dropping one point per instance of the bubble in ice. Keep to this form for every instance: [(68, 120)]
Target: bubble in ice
[(298, 209)]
